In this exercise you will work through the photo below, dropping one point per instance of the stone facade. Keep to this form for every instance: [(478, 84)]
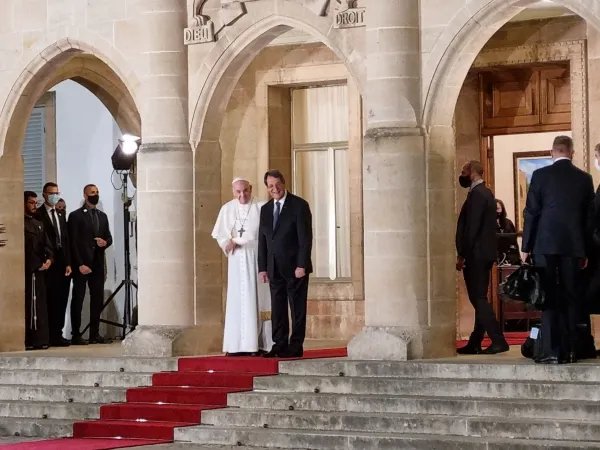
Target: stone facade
[(407, 59)]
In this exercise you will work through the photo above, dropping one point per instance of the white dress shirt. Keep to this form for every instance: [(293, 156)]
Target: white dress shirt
[(281, 202), (49, 209)]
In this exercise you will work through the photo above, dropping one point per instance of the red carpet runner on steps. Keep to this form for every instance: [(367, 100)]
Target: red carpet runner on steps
[(175, 399)]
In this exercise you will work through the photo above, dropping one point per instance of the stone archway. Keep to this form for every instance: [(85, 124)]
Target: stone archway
[(106, 76), (214, 84), (455, 52), (447, 66)]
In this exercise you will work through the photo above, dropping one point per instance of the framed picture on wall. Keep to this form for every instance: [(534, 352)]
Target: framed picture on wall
[(524, 164)]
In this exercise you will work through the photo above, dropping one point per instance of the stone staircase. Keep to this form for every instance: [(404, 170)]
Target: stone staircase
[(451, 405), (42, 396)]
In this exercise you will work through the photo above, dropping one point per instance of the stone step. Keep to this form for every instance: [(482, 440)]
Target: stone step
[(82, 364), (327, 440), (62, 378), (62, 394), (190, 446), (496, 427), (28, 427), (430, 387), (486, 407), (585, 371), (51, 410)]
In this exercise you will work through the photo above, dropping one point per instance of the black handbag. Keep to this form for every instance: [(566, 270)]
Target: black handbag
[(525, 285)]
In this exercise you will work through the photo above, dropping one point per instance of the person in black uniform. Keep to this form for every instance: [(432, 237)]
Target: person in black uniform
[(58, 281), (90, 237), (557, 234), (284, 260), (38, 259), (476, 246)]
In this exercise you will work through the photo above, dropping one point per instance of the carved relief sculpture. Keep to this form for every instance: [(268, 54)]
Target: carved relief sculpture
[(2, 231), (319, 7), (348, 15), (201, 27)]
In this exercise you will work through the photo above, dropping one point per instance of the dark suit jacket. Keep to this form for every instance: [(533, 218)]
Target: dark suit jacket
[(476, 228), (289, 245), (37, 246), (65, 250), (557, 212), (84, 250)]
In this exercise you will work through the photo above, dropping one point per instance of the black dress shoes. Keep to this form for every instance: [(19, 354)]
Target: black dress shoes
[(62, 342), (469, 350), (494, 349), (271, 354), (78, 340), (549, 360), (97, 340), (291, 353), (37, 347)]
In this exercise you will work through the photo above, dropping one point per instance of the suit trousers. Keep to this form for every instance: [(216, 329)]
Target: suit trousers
[(95, 282), (563, 282), (57, 297), (295, 292), (477, 280)]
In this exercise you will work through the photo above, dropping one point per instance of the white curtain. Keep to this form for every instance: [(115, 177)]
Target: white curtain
[(321, 174)]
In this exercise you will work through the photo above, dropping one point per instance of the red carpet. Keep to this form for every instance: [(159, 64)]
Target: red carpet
[(175, 399)]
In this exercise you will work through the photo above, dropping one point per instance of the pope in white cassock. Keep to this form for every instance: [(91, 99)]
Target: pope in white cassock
[(248, 327)]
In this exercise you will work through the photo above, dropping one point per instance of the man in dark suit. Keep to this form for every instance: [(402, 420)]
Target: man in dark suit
[(557, 234), (284, 261), (476, 246), (58, 276), (90, 237)]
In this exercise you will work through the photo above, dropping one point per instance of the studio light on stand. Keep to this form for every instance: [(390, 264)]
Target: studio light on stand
[(122, 160)]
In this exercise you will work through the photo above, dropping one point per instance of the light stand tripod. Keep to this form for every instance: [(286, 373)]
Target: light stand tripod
[(127, 283)]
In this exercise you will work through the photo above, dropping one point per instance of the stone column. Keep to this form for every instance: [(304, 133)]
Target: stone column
[(593, 64), (398, 315), (165, 186)]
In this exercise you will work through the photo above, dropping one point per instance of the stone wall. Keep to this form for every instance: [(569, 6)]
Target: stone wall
[(256, 136)]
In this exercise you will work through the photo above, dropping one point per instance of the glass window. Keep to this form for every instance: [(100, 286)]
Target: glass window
[(321, 173)]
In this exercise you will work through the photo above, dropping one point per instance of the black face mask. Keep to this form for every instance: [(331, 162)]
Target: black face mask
[(93, 199), (464, 181)]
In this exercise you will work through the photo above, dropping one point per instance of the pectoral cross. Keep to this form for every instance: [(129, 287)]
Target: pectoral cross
[(241, 231)]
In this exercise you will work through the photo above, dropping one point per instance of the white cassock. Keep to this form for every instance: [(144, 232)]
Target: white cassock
[(248, 309)]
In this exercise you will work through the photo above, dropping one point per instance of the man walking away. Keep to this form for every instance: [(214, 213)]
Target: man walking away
[(476, 246), (557, 234)]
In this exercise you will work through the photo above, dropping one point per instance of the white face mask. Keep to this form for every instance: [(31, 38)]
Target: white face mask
[(596, 164)]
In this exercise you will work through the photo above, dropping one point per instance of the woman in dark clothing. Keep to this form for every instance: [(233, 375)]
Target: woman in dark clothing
[(508, 247), (505, 225)]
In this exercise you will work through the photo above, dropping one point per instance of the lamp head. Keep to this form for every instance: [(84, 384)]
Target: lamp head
[(125, 153)]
